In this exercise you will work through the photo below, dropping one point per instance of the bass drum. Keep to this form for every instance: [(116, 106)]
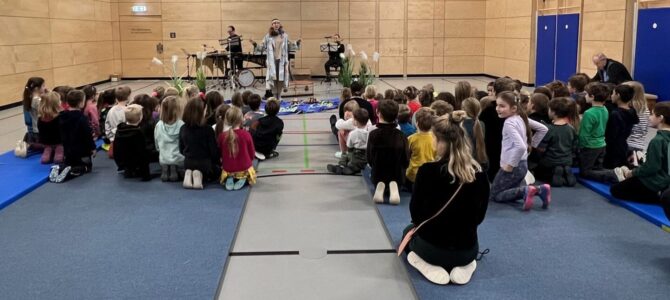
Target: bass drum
[(246, 78)]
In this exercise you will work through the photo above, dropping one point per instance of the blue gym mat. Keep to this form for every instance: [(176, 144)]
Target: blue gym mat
[(22, 175), (559, 253), (101, 236), (650, 212)]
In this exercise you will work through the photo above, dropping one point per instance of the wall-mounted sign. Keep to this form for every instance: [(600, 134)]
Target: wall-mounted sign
[(139, 8)]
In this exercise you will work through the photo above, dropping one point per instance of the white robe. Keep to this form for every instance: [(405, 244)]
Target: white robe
[(270, 76)]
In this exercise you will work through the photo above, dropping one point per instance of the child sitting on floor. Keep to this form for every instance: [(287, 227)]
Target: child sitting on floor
[(105, 102), (647, 182), (576, 85), (592, 137), (370, 95), (411, 94), (91, 110), (254, 114), (267, 131), (421, 144), (538, 106), (344, 126), (197, 144), (620, 124), (130, 145), (116, 115), (516, 136), (387, 153), (638, 135), (49, 128), (221, 125), (357, 142), (237, 153), (475, 130), (558, 145), (405, 120), (166, 135), (78, 147)]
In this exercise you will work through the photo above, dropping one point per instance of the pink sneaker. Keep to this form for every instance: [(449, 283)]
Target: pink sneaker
[(46, 155), (528, 195), (545, 195)]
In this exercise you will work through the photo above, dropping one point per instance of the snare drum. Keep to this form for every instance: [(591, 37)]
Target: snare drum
[(246, 78)]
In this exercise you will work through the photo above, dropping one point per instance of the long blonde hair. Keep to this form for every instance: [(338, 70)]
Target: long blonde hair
[(639, 100), (458, 155), (234, 119), (49, 106), (472, 109)]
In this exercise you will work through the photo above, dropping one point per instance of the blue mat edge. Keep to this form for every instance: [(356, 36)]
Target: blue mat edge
[(19, 194), (631, 206)]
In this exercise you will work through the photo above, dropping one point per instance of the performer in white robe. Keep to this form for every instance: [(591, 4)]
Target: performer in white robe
[(276, 46)]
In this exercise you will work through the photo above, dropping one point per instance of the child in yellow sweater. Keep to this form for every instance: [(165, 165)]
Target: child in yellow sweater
[(421, 144)]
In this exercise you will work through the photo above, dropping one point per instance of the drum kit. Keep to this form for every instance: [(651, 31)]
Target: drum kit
[(223, 73)]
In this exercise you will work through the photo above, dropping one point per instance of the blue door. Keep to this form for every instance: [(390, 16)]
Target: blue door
[(546, 50), (652, 66), (567, 35)]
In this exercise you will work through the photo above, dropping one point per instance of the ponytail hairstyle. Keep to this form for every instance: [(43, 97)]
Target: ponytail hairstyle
[(575, 121), (220, 116), (49, 106), (410, 93), (472, 108), (513, 100), (33, 85), (639, 100), (457, 157), (234, 119), (462, 91)]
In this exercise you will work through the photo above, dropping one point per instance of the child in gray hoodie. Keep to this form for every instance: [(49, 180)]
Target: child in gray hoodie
[(166, 135)]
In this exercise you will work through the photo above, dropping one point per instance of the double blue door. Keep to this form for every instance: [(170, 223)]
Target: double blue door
[(557, 42)]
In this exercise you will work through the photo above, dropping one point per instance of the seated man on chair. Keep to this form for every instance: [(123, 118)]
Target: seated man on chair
[(609, 70), (334, 59)]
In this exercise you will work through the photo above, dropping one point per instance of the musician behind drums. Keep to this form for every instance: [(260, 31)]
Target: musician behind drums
[(276, 44), (235, 49), (334, 59)]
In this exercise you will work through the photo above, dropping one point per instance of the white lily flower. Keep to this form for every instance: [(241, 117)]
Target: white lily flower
[(375, 56), (201, 55), (342, 55), (156, 61), (175, 59), (364, 56)]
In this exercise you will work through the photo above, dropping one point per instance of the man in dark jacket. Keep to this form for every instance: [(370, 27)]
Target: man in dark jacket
[(610, 71)]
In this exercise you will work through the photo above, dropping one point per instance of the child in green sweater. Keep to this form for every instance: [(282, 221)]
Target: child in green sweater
[(647, 182), (592, 137)]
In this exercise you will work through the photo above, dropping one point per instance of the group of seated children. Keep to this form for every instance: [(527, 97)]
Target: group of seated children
[(193, 140)]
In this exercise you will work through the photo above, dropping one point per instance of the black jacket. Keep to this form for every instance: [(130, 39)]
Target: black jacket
[(130, 146), (362, 103), (387, 153), (266, 133), (76, 136), (619, 125), (49, 131), (493, 137), (456, 226), (198, 142), (616, 72)]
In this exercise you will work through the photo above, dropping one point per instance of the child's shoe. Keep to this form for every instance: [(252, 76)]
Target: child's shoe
[(197, 179), (434, 274), (59, 154), (462, 275), (557, 178), (273, 154), (173, 172), (239, 184), (230, 183), (188, 179), (259, 156), (544, 191), (54, 173), (570, 179), (61, 177), (394, 197), (528, 195), (335, 169), (379, 193), (620, 173), (338, 154), (165, 173)]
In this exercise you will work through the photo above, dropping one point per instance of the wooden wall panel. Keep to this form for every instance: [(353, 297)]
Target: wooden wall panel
[(603, 30), (509, 38), (64, 41)]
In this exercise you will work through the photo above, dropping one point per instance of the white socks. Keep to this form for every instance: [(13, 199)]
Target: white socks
[(462, 275), (188, 179), (197, 180), (438, 275), (394, 197), (379, 193), (434, 274)]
